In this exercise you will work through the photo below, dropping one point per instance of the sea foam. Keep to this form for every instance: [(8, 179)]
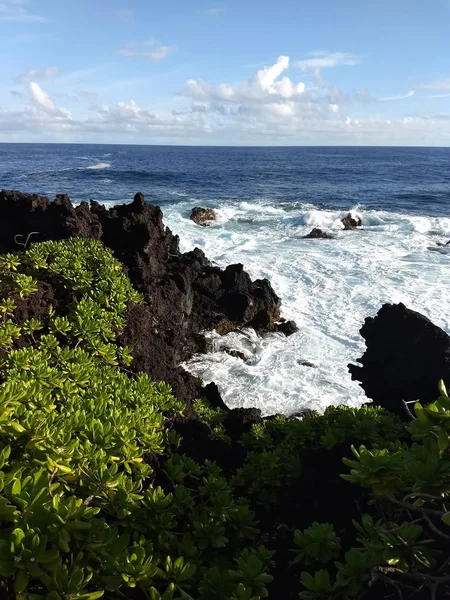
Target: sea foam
[(328, 286), (102, 165)]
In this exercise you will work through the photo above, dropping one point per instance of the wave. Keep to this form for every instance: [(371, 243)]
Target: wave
[(103, 165), (327, 287)]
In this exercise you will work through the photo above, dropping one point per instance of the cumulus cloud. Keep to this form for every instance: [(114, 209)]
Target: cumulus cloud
[(400, 97), (325, 60), (150, 49), (17, 10), (34, 75), (269, 107), (265, 87)]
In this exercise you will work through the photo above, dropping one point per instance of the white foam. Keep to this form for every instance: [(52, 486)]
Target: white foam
[(107, 181), (102, 165), (328, 286)]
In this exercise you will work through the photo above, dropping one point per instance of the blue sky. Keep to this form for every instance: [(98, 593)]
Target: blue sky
[(266, 72)]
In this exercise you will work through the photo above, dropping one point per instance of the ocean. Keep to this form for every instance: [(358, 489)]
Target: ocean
[(267, 199)]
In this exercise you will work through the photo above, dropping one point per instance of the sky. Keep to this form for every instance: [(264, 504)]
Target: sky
[(226, 72)]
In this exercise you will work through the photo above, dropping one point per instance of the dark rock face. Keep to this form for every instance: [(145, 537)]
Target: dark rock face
[(406, 357), (318, 234), (202, 216), (350, 222), (240, 421), (185, 295), (286, 327)]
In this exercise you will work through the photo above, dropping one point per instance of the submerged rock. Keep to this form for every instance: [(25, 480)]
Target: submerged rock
[(317, 233), (406, 356), (351, 222), (184, 293), (202, 216), (306, 363)]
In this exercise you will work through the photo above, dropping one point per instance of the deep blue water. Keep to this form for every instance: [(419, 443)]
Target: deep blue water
[(407, 180)]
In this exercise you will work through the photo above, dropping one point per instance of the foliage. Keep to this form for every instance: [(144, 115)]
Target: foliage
[(213, 417), (274, 446), (81, 516), (96, 500), (406, 546)]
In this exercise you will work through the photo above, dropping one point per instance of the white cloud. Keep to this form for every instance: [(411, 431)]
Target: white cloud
[(401, 97), (150, 49), (215, 11), (34, 75), (443, 84), (268, 108), (44, 102), (41, 98), (325, 60), (17, 10), (439, 96), (265, 87)]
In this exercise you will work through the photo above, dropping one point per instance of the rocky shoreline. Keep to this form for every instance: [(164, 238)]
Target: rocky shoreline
[(185, 296)]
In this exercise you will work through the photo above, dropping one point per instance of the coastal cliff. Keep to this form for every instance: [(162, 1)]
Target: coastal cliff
[(122, 476)]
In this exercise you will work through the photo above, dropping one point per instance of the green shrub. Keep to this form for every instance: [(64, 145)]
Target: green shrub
[(80, 517), (406, 546), (274, 446)]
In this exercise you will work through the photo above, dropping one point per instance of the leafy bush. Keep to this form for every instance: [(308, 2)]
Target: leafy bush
[(96, 500), (79, 514), (274, 446), (406, 546)]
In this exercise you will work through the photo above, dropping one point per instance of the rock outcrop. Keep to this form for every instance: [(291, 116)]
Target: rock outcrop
[(317, 233), (406, 356), (286, 327), (203, 216), (351, 222), (184, 293)]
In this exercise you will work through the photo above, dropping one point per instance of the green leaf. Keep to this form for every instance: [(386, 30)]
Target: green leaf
[(21, 582), (443, 440)]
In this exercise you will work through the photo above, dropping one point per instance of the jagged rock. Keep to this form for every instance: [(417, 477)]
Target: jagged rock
[(184, 293), (202, 216), (236, 354), (406, 356), (286, 327), (240, 421), (351, 222), (317, 233), (212, 394)]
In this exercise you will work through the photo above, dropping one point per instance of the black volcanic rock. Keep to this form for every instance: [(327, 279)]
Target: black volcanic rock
[(202, 216), (317, 233), (286, 327), (406, 357), (350, 222), (185, 294)]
